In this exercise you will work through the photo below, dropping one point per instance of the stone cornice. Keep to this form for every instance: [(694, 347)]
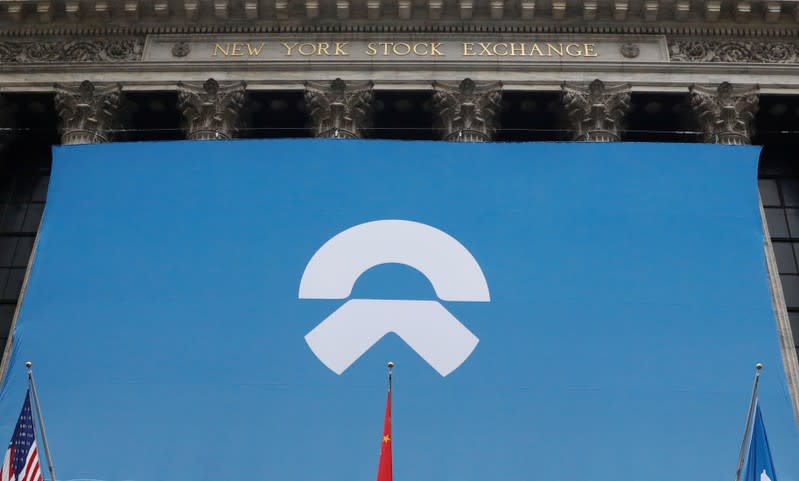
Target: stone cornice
[(665, 28), (750, 18)]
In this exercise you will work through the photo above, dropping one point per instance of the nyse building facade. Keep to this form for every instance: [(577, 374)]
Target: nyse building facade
[(90, 71)]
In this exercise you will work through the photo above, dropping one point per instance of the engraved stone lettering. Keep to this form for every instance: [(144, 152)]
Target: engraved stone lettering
[(255, 51)]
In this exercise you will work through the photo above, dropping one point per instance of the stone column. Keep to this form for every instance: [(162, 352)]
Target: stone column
[(596, 111), (88, 111), (468, 111), (210, 110), (339, 110), (725, 113)]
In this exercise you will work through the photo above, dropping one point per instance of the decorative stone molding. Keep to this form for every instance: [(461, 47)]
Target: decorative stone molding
[(181, 49), (87, 111), (339, 110), (95, 50), (725, 113), (467, 112), (630, 50), (683, 17), (733, 51), (210, 110), (596, 111)]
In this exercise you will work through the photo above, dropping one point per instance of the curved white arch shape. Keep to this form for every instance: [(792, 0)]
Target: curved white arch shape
[(336, 266)]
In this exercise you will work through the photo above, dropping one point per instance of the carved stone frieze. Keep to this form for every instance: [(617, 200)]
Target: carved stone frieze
[(210, 109), (733, 51), (87, 111), (468, 111), (339, 110), (94, 50), (596, 110), (725, 113)]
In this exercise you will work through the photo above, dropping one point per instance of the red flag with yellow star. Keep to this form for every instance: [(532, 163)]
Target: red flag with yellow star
[(384, 471)]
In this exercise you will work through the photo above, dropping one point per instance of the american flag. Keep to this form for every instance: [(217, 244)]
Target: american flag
[(21, 462)]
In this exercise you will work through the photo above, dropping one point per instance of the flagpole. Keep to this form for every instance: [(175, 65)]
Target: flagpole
[(747, 428), (38, 408), (390, 367)]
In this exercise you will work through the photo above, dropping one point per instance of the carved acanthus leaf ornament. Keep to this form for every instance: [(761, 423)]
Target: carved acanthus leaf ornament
[(725, 113), (468, 111), (596, 110), (210, 110), (339, 110), (96, 50), (88, 111), (733, 51)]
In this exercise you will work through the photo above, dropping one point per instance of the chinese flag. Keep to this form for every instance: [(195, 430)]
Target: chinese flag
[(384, 468)]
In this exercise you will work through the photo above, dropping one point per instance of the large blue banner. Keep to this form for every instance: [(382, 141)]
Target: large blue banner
[(225, 310)]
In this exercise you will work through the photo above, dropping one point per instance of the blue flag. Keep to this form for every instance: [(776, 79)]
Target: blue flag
[(759, 466)]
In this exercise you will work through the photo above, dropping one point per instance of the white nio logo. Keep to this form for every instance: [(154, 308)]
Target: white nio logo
[(426, 326)]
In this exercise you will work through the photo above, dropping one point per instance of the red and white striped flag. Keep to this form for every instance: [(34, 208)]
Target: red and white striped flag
[(21, 462)]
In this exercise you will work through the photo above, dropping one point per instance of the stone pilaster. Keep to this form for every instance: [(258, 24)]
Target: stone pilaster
[(468, 111), (596, 111), (339, 110), (725, 113), (88, 111), (210, 110)]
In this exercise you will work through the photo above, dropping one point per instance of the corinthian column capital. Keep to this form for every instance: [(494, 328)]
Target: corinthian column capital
[(467, 111), (87, 111), (725, 113), (596, 111), (339, 110), (210, 109)]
